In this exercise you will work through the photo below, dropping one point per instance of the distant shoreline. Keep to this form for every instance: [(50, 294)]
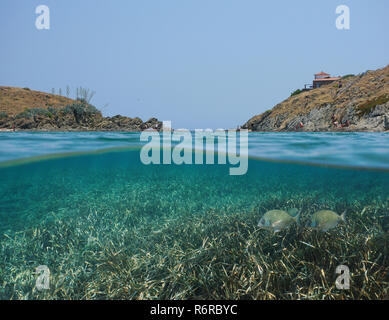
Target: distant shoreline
[(343, 130)]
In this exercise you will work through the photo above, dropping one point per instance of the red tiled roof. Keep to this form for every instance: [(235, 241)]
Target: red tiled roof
[(322, 74)]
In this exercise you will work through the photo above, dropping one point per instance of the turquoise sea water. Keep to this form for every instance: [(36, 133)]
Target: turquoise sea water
[(345, 149), (109, 226)]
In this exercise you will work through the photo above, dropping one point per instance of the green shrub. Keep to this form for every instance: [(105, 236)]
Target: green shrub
[(80, 110), (369, 106), (39, 111), (3, 115), (66, 110), (30, 113), (26, 114), (295, 93), (348, 76), (52, 111)]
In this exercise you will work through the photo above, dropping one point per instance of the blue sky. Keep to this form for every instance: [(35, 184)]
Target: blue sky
[(198, 63)]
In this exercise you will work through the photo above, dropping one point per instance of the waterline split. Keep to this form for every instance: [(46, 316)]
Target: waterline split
[(193, 144)]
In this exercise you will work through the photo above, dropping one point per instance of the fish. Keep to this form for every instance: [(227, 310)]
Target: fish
[(277, 220), (325, 220)]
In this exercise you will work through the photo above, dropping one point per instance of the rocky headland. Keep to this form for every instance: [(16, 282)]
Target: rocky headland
[(353, 103), (25, 109)]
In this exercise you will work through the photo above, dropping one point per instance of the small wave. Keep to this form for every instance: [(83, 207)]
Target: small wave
[(354, 150)]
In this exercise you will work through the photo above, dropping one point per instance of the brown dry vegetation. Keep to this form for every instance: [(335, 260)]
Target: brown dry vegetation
[(356, 90), (16, 100)]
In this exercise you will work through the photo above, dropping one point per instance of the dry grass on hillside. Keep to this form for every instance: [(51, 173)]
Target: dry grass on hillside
[(15, 100), (357, 90)]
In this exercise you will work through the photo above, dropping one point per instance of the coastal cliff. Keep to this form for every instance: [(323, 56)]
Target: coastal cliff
[(25, 109), (353, 103)]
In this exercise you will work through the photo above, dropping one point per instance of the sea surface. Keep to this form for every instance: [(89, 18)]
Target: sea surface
[(109, 227), (370, 150)]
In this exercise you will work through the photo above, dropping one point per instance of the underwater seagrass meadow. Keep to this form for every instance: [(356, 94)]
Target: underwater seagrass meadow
[(109, 227)]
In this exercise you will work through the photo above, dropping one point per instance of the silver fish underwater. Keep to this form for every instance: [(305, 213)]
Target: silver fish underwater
[(325, 220), (277, 220)]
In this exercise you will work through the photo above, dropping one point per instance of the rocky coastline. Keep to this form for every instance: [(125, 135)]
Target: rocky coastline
[(55, 113), (354, 103)]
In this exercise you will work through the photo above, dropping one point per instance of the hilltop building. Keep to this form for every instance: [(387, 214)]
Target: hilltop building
[(323, 78)]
